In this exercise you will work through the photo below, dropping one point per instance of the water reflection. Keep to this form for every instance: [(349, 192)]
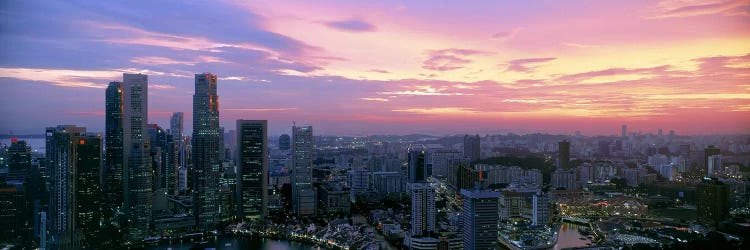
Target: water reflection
[(570, 237)]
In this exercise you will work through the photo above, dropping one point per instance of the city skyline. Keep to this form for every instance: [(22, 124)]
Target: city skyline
[(499, 67)]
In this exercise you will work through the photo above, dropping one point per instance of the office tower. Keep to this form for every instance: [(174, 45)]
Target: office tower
[(113, 137), (137, 175), (304, 202), (540, 210), (88, 200), (161, 157), (206, 146), (11, 213), (358, 180), (712, 198), (284, 142), (564, 178), (179, 156), (472, 149), (714, 165), (423, 209), (418, 169), (62, 166), (563, 157), (252, 169), (709, 151), (19, 161), (439, 161), (480, 219), (386, 183), (660, 133), (624, 131)]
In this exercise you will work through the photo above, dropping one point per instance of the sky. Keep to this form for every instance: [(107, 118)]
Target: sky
[(387, 67)]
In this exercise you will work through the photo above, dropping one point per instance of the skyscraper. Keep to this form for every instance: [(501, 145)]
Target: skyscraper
[(113, 137), (563, 158), (137, 173), (19, 161), (480, 219), (712, 198), (252, 169), (160, 156), (418, 169), (472, 149), (88, 189), (304, 202), (62, 166), (205, 150), (423, 209), (624, 131), (284, 142), (714, 165), (176, 127)]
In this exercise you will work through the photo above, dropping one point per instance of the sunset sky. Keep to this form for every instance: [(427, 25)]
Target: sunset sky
[(387, 67)]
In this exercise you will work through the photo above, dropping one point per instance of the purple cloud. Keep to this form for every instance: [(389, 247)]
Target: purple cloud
[(525, 65), (351, 25), (449, 59)]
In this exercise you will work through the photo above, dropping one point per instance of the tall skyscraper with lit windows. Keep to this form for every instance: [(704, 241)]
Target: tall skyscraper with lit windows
[(137, 172), (304, 197), (205, 150), (113, 138), (252, 169)]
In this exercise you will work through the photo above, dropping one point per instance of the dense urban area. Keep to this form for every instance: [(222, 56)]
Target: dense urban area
[(141, 185)]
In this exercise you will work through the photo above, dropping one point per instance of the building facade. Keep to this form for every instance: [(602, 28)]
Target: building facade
[(252, 169), (205, 150)]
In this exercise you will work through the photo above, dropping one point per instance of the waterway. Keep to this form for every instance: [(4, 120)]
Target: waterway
[(568, 236), (231, 243)]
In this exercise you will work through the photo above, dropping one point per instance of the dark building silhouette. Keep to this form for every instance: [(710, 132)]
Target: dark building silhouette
[(19, 161), (418, 168), (252, 169), (563, 157), (113, 137), (472, 147), (88, 189), (285, 142), (61, 155), (712, 198), (205, 149)]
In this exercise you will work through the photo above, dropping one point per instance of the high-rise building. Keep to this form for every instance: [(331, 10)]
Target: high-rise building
[(19, 161), (540, 210), (252, 169), (11, 213), (418, 168), (624, 131), (712, 198), (564, 178), (113, 137), (709, 151), (472, 147), (304, 202), (423, 209), (179, 156), (61, 157), (284, 142), (159, 155), (137, 175), (205, 150), (439, 161), (563, 157), (480, 219), (714, 165), (88, 189)]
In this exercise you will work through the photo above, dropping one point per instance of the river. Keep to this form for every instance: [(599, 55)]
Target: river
[(232, 243), (568, 236)]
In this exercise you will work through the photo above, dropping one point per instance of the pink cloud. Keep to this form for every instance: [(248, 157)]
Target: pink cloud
[(449, 59), (527, 64)]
